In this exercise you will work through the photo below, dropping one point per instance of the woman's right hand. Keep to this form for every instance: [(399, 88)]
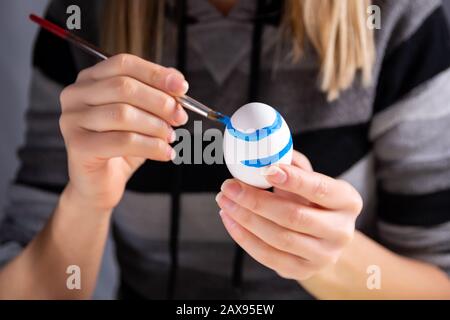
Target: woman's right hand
[(116, 115)]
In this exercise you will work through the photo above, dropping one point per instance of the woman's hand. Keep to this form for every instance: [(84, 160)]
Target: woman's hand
[(300, 228), (117, 114)]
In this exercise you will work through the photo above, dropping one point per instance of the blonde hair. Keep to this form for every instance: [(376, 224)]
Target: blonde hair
[(336, 29)]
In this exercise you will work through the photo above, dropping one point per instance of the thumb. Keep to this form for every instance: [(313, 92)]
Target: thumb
[(301, 161)]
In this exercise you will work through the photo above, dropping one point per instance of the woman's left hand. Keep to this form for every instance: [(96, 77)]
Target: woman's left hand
[(301, 227)]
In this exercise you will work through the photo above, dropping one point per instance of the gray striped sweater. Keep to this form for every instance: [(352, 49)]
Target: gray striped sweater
[(389, 140)]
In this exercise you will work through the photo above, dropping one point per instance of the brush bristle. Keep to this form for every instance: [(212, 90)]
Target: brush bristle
[(217, 116)]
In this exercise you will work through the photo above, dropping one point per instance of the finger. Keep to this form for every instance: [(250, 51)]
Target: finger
[(288, 214), (291, 196), (120, 117), (157, 76), (128, 91), (315, 187), (283, 239), (287, 265), (106, 145), (301, 161)]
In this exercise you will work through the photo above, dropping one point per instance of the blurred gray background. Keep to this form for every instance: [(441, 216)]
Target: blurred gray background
[(16, 40)]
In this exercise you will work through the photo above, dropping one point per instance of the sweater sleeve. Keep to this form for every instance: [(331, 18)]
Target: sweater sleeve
[(42, 174), (410, 134)]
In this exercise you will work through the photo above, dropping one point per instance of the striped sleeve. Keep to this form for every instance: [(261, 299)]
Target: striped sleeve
[(411, 139), (43, 157), (42, 172)]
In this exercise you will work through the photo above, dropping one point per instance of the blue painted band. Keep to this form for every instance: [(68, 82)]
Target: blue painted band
[(267, 161), (258, 134)]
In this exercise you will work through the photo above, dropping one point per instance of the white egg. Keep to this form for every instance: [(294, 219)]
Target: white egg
[(256, 136)]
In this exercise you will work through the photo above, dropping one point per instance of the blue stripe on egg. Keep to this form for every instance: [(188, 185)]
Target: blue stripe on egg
[(258, 134), (248, 151), (267, 161)]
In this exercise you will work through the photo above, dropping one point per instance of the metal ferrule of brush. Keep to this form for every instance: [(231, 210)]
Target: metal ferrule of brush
[(195, 106)]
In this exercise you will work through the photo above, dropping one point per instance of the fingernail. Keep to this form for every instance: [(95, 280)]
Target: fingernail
[(171, 104), (221, 213), (224, 202), (185, 86), (230, 223), (171, 153), (231, 188), (180, 116), (176, 84), (172, 136), (275, 174)]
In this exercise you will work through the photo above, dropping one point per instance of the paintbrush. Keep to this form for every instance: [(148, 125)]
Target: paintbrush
[(185, 101)]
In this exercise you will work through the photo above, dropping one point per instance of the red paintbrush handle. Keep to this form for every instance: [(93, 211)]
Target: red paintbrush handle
[(64, 34), (49, 26)]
